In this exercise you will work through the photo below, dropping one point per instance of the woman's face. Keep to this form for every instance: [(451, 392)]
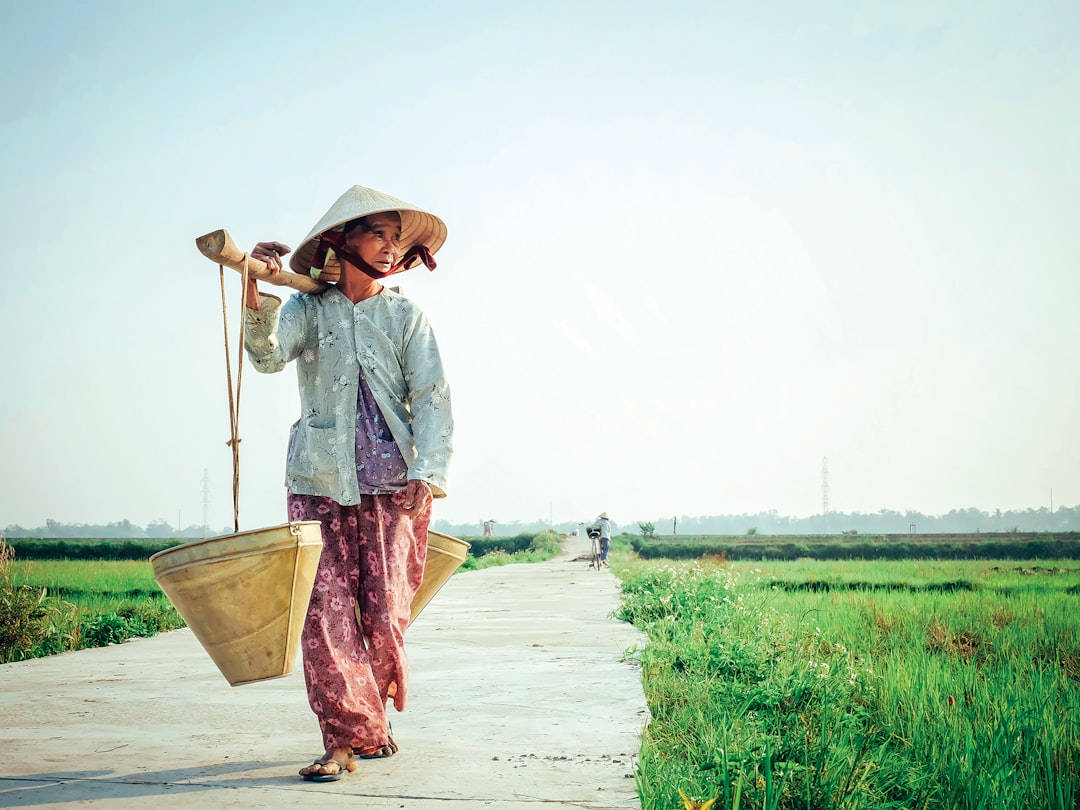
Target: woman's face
[(380, 243)]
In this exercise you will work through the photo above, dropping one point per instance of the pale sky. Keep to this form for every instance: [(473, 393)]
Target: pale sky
[(694, 247)]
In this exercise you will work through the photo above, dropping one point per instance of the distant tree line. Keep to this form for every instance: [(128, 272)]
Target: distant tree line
[(118, 530), (885, 521)]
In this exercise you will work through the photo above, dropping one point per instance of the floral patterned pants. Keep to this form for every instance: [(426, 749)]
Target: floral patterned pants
[(372, 555)]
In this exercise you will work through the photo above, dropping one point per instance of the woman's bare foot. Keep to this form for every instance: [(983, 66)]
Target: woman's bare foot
[(334, 763)]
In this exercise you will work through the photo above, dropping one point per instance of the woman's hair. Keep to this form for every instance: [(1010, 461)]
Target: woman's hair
[(362, 224)]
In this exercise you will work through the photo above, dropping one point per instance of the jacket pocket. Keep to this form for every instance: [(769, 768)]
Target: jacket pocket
[(313, 455)]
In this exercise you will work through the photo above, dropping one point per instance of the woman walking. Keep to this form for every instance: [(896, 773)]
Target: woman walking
[(370, 450)]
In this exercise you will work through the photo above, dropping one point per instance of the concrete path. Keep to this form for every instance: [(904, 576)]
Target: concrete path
[(520, 697)]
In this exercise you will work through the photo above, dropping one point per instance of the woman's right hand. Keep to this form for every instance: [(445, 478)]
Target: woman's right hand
[(270, 254)]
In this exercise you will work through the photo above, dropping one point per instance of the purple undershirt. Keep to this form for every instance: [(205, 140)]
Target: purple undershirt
[(380, 469)]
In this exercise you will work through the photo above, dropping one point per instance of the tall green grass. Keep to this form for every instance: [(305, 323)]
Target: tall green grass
[(892, 687), (82, 603)]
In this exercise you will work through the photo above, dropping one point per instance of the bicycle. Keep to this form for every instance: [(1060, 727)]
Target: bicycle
[(594, 539)]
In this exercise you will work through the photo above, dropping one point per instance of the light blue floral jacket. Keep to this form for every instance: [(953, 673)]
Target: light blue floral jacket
[(332, 339)]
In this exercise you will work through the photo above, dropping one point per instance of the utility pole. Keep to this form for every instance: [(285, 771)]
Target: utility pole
[(205, 500)]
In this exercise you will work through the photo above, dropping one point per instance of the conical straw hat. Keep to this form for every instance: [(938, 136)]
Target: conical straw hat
[(418, 227)]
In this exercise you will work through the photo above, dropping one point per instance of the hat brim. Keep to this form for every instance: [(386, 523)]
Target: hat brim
[(418, 227)]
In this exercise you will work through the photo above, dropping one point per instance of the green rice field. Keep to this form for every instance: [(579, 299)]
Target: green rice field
[(913, 684), (87, 576)]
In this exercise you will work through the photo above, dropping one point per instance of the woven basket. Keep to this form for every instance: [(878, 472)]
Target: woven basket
[(245, 595)]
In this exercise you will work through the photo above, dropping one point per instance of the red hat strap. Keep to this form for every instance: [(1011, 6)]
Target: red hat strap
[(336, 240)]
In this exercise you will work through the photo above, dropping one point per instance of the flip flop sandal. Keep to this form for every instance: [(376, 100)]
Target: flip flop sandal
[(325, 777), (377, 751)]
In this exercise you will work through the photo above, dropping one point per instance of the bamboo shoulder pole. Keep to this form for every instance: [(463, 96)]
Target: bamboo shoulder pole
[(219, 247)]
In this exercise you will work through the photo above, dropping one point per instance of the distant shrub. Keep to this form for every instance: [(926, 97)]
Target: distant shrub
[(105, 629), (156, 615), (548, 543), (136, 618), (479, 546), (29, 622), (542, 546)]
